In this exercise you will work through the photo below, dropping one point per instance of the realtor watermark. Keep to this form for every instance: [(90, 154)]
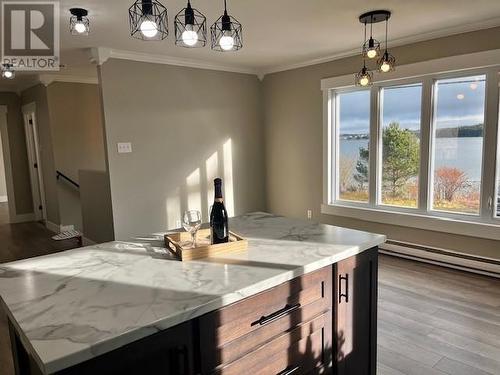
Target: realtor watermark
[(30, 35)]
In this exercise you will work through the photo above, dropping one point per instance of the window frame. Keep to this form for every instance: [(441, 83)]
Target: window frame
[(485, 224)]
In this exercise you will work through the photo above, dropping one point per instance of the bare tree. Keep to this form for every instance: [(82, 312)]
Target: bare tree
[(449, 181)]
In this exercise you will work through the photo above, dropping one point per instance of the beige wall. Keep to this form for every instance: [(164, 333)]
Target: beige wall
[(38, 95), (293, 132), (178, 121), (3, 181), (77, 138), (18, 153)]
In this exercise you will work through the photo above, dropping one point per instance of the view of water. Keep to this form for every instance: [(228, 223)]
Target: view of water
[(462, 153)]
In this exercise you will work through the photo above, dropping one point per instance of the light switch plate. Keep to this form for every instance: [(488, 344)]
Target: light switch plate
[(124, 147)]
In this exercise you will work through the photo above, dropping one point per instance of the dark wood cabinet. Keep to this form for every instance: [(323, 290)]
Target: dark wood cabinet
[(355, 314), (322, 322), (167, 352)]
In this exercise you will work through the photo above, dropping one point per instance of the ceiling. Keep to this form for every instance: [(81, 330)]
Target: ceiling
[(276, 33)]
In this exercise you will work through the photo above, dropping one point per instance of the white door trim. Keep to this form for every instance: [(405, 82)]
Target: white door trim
[(33, 149), (4, 131)]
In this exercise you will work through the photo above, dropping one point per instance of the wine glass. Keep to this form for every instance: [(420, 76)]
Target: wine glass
[(191, 223)]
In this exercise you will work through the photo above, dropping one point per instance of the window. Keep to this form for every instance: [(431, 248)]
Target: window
[(418, 147), (353, 134), (400, 122), (458, 144)]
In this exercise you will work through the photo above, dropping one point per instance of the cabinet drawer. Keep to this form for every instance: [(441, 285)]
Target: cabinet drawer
[(297, 351), (238, 329)]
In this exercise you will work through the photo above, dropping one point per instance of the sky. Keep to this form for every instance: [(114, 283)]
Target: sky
[(459, 102)]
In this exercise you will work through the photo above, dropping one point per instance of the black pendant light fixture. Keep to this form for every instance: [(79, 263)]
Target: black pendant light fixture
[(8, 71), (148, 20), (371, 47), (364, 77), (226, 33), (79, 23), (387, 62), (190, 28)]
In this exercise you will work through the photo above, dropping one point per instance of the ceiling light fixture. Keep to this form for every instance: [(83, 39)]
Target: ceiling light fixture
[(148, 20), (364, 77), (8, 71), (190, 28), (371, 47), (79, 23), (387, 62), (226, 33)]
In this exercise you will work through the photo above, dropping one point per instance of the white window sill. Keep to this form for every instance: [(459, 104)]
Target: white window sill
[(416, 220)]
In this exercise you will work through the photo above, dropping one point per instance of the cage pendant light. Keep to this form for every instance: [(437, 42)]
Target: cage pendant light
[(226, 33), (387, 62), (190, 28), (79, 23), (148, 20), (364, 77)]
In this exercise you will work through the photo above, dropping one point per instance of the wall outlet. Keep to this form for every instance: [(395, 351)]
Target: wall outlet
[(124, 148), (309, 214)]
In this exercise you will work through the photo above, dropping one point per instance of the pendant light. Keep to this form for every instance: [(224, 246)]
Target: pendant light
[(190, 28), (387, 62), (79, 23), (371, 47), (148, 20), (226, 33), (364, 77), (8, 71)]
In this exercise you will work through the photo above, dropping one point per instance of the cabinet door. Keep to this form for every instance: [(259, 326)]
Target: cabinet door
[(355, 301)]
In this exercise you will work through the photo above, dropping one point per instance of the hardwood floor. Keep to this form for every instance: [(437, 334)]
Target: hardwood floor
[(20, 241), (432, 320)]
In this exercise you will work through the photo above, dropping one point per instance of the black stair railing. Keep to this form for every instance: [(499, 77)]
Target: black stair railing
[(60, 175)]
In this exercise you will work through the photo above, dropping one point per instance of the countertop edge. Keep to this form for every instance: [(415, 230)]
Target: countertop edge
[(171, 321)]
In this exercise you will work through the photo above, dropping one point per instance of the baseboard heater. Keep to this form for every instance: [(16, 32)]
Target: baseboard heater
[(442, 257)]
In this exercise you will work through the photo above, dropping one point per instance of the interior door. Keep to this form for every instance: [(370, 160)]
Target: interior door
[(355, 333), (36, 177)]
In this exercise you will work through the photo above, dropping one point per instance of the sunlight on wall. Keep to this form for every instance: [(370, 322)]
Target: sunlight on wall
[(212, 169), (228, 177), (174, 210), (193, 190), (199, 184)]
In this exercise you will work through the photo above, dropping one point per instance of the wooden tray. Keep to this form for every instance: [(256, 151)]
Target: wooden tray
[(179, 243)]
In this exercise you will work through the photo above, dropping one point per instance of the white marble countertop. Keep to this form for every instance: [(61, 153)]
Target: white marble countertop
[(74, 305)]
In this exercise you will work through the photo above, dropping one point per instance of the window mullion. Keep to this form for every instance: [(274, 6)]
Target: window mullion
[(490, 145), (425, 180), (374, 171)]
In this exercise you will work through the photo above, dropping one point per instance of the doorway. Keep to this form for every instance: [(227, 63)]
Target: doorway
[(35, 164)]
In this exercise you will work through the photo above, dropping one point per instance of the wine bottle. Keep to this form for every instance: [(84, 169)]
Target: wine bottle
[(219, 228)]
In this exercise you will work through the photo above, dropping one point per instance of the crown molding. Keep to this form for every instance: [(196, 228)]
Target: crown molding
[(100, 55), (450, 31), (47, 79)]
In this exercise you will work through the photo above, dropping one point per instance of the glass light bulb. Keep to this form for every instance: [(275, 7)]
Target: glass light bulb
[(371, 53), (80, 27), (227, 41), (189, 36), (385, 67), (8, 74), (364, 81), (149, 29)]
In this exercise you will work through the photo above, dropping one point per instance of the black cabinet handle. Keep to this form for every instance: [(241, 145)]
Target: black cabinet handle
[(342, 280), (288, 370), (276, 315)]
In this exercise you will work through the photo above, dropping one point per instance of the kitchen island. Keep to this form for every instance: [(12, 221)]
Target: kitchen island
[(301, 299)]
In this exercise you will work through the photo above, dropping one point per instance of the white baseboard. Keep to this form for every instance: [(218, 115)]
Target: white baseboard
[(3, 199), (443, 257), (23, 218)]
